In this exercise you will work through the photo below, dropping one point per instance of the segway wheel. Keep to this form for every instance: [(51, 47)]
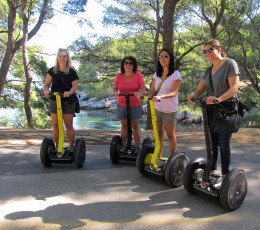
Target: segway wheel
[(147, 142), (234, 190), (79, 152), (188, 176), (175, 169), (116, 142), (143, 159), (47, 147)]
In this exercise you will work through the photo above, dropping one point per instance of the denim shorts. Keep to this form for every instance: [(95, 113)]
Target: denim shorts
[(68, 106), (136, 112), (166, 118)]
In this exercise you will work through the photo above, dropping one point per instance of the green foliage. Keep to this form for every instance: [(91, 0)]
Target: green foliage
[(252, 120), (99, 63), (74, 6), (192, 108)]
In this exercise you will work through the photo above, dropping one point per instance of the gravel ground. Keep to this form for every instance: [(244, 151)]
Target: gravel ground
[(185, 135)]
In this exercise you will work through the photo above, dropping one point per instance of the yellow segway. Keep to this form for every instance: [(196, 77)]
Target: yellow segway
[(148, 162), (62, 155)]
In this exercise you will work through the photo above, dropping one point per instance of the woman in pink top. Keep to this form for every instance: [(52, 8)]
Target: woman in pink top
[(165, 85), (129, 81)]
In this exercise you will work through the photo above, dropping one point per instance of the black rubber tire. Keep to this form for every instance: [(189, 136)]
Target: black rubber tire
[(79, 152), (175, 169), (47, 147), (141, 157), (199, 163), (233, 190), (116, 142), (147, 142)]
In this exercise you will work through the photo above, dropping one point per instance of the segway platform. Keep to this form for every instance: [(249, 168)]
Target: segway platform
[(230, 190), (49, 154)]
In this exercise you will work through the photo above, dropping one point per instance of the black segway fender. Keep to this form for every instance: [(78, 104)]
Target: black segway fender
[(175, 168), (188, 175), (147, 142), (79, 152), (233, 189), (47, 147), (116, 142), (144, 158)]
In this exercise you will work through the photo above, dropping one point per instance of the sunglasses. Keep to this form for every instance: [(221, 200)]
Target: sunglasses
[(163, 57), (63, 49), (128, 63), (210, 50)]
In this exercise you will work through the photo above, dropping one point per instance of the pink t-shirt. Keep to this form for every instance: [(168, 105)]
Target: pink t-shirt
[(167, 105), (130, 87)]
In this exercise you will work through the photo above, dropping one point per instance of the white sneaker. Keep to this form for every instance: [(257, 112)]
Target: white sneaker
[(219, 184), (122, 149)]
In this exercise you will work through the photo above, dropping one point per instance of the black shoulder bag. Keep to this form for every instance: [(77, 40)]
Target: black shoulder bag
[(225, 117), (75, 96)]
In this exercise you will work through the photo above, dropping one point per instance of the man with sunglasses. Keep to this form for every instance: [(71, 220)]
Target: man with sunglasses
[(220, 81)]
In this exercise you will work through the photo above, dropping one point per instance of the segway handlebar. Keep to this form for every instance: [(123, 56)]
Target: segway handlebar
[(146, 98), (53, 94), (126, 94), (202, 101)]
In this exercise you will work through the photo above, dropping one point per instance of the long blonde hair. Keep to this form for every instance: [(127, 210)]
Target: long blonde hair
[(69, 63)]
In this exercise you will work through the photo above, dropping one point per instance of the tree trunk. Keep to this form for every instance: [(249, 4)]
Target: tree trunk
[(26, 64), (13, 46), (168, 13), (9, 52)]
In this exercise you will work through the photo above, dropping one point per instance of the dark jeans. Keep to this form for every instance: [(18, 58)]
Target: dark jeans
[(221, 142)]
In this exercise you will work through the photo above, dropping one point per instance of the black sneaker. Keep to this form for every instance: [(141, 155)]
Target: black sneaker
[(69, 149)]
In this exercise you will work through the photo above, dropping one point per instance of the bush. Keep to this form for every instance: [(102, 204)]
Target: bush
[(252, 119)]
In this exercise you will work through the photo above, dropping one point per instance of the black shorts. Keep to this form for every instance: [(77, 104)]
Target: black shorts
[(68, 106)]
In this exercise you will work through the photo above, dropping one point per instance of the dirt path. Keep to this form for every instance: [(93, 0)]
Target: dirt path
[(191, 135)]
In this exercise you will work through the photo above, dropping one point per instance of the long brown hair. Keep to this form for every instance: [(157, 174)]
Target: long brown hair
[(216, 44)]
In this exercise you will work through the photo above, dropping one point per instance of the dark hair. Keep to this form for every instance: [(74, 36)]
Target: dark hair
[(159, 69), (216, 44), (132, 59)]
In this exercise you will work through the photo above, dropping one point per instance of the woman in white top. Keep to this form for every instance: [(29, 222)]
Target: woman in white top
[(165, 86)]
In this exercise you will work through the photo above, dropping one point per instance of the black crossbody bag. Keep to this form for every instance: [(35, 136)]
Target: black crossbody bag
[(225, 117)]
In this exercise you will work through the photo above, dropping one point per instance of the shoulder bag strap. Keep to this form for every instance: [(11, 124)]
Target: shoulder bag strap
[(64, 83), (160, 86), (210, 79)]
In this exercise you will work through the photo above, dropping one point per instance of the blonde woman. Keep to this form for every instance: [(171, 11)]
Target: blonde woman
[(62, 78)]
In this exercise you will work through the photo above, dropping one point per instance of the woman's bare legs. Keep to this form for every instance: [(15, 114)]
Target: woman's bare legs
[(170, 130), (55, 128), (123, 131), (136, 132), (160, 132), (68, 121)]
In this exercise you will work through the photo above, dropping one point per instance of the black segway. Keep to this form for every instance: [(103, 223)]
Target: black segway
[(148, 162), (62, 155), (231, 191), (116, 143)]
